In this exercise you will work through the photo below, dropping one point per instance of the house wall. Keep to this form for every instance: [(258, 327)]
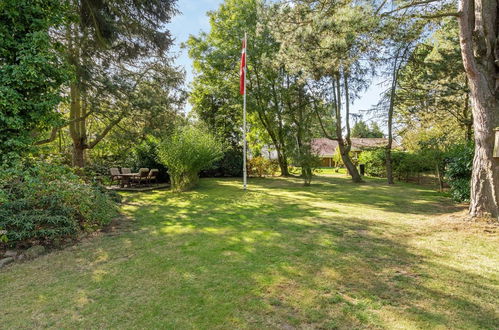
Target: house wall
[(327, 162)]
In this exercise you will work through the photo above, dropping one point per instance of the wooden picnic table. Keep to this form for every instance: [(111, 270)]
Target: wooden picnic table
[(125, 179)]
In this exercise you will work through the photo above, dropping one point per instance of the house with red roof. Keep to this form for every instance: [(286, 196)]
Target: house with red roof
[(326, 148)]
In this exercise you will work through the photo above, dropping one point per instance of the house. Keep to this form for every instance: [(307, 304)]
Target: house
[(326, 148)]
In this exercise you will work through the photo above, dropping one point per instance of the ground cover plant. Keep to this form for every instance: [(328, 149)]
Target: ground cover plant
[(278, 256), (46, 203)]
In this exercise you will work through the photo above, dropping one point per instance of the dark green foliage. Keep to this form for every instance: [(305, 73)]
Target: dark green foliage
[(45, 203), (375, 162), (433, 94), (405, 164), (362, 130), (146, 155), (31, 71), (459, 163), (231, 165), (456, 163)]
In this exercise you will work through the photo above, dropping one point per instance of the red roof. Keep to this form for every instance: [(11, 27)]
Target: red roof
[(326, 148)]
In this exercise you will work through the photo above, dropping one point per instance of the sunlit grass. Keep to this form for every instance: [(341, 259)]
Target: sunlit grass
[(333, 255)]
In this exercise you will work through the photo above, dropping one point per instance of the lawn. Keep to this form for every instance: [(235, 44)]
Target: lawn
[(333, 255)]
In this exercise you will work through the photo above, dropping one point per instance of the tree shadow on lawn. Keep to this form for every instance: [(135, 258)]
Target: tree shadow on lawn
[(278, 256), (373, 192), (266, 259)]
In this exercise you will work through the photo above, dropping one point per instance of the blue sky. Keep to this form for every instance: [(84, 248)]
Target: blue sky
[(193, 19)]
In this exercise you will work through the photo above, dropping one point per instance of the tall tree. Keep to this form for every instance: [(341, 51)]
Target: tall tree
[(402, 49), (433, 93), (362, 130), (31, 71), (326, 40), (300, 114), (113, 47), (215, 95), (478, 31)]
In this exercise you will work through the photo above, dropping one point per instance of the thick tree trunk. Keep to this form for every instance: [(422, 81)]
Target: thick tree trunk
[(78, 155), (478, 24), (283, 163), (77, 128)]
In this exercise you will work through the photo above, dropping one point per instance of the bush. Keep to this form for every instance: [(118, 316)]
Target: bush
[(459, 165), (230, 165), (404, 164), (260, 166), (308, 161), (45, 203), (186, 152), (375, 161), (3, 236), (146, 155)]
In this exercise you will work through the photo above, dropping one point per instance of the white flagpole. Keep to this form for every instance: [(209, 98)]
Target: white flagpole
[(245, 174)]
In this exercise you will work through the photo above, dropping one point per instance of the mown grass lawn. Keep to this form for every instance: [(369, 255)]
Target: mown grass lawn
[(334, 255)]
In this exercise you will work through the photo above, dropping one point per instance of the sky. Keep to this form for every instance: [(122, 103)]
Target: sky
[(193, 19)]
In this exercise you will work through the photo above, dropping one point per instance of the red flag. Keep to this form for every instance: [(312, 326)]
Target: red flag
[(243, 69)]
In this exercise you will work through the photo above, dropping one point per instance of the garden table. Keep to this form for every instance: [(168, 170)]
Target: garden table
[(125, 179)]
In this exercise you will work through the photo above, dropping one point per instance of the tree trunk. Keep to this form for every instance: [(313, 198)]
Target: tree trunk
[(440, 178), (344, 149), (78, 155), (388, 162), (77, 128), (389, 145), (468, 121), (347, 161), (478, 28), (283, 163)]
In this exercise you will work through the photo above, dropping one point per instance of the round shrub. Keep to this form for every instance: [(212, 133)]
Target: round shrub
[(186, 152), (43, 203)]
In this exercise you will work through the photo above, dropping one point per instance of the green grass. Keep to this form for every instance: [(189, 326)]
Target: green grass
[(333, 255)]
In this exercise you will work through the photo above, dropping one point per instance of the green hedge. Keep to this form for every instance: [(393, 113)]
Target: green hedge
[(456, 163), (404, 164)]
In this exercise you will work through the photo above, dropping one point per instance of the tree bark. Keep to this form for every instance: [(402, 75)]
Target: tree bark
[(344, 147), (468, 121), (75, 127), (388, 151), (283, 163), (78, 155), (389, 145), (478, 28)]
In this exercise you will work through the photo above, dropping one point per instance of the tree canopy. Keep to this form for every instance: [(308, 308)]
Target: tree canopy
[(32, 71)]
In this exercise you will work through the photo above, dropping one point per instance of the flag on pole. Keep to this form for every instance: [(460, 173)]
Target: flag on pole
[(242, 71), (242, 91)]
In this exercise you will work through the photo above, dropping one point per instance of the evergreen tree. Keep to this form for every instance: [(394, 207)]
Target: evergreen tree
[(362, 130), (31, 71), (113, 47)]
